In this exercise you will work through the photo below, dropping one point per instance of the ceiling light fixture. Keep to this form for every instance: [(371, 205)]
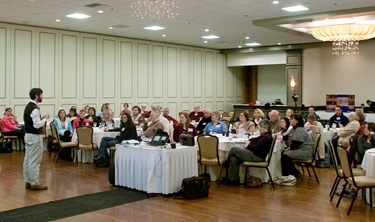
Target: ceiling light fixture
[(296, 8), (253, 44), (206, 30), (154, 28), (78, 16), (155, 9), (210, 37), (275, 2), (345, 38), (100, 11)]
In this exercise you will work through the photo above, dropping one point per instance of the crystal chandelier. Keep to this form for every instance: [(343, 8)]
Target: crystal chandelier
[(155, 9), (345, 38)]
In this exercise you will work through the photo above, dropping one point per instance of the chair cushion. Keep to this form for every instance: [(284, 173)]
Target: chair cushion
[(88, 147), (112, 148), (213, 161), (356, 172), (10, 137), (363, 181), (67, 144), (255, 164)]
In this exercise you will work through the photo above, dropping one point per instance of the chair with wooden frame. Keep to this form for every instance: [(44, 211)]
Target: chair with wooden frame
[(310, 162), (265, 164), (16, 139), (62, 145), (209, 153), (85, 139), (359, 182)]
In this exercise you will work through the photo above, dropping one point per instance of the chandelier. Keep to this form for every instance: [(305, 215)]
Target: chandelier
[(155, 9), (345, 38)]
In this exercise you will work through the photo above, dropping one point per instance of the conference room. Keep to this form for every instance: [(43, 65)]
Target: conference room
[(250, 53)]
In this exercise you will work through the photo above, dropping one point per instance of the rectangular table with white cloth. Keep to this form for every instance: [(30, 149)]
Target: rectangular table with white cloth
[(227, 143), (154, 169), (98, 134), (368, 164)]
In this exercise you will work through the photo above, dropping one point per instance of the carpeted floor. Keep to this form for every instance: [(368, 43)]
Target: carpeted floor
[(73, 206)]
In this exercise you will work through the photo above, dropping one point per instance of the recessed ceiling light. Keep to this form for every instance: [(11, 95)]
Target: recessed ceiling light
[(247, 37), (279, 43), (100, 11), (275, 2), (110, 27), (154, 28), (78, 16), (210, 37), (57, 20), (164, 35), (252, 44), (239, 46), (296, 8), (205, 41), (206, 30)]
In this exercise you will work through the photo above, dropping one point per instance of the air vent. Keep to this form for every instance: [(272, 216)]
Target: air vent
[(93, 5), (120, 26)]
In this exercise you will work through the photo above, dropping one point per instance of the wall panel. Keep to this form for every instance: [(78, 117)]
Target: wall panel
[(23, 64), (3, 61), (69, 66), (185, 79), (157, 71), (108, 68), (220, 78), (90, 67), (209, 78), (197, 74), (47, 63), (172, 72), (126, 69), (143, 81)]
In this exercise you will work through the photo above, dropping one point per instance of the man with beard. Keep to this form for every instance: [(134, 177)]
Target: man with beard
[(33, 140)]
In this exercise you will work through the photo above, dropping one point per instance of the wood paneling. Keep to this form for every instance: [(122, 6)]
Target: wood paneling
[(208, 76), (220, 78), (198, 78), (126, 69), (109, 68), (185, 74), (172, 73), (142, 71), (90, 67), (23, 62), (3, 61), (47, 63), (69, 66), (157, 80)]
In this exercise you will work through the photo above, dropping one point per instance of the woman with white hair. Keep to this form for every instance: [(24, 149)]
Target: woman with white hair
[(345, 133)]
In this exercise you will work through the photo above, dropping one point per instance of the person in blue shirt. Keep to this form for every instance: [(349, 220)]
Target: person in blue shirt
[(215, 126)]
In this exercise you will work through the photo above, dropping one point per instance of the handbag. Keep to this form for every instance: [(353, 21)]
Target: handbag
[(6, 146), (286, 180), (252, 181), (186, 139), (194, 187)]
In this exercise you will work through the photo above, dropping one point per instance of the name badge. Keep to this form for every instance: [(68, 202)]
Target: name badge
[(123, 129), (196, 114), (204, 124), (218, 126), (190, 130)]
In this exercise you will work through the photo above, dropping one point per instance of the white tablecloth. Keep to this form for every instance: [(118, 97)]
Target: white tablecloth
[(368, 164), (88, 155), (370, 117), (225, 146), (154, 169)]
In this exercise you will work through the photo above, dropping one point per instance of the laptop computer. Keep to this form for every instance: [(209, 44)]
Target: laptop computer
[(159, 140)]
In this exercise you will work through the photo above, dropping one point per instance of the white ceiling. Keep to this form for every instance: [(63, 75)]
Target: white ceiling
[(232, 20)]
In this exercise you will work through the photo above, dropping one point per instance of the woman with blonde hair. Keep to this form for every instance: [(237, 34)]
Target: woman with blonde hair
[(258, 116), (106, 118)]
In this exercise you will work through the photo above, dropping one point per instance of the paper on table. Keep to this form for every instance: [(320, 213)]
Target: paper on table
[(130, 142)]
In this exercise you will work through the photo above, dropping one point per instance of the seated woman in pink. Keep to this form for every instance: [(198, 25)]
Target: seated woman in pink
[(81, 120), (9, 125), (184, 126)]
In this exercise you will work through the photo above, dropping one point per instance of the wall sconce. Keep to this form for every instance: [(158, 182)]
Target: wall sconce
[(293, 83)]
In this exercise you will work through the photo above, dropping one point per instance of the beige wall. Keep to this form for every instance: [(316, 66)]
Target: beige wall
[(77, 69)]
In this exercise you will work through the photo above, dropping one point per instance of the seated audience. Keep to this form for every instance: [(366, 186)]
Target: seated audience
[(311, 121), (87, 109), (127, 132), (9, 125), (144, 111), (152, 125), (244, 124), (63, 126), (81, 120), (339, 119), (300, 146), (184, 127), (345, 133), (367, 140), (168, 117), (126, 109), (285, 129), (361, 120), (206, 119), (256, 150), (258, 116), (105, 106), (288, 113), (137, 118), (72, 114), (93, 118), (311, 111), (215, 126), (106, 118), (371, 104), (197, 114), (275, 121)]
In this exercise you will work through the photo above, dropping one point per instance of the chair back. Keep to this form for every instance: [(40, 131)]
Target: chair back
[(85, 135), (54, 133), (345, 165), (227, 123), (268, 158), (332, 153), (208, 147), (316, 145)]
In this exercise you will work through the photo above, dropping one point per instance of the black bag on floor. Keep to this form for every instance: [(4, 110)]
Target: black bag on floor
[(6, 146), (111, 172), (194, 187)]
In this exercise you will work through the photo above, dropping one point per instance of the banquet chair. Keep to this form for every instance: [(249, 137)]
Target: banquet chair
[(61, 145), (14, 139), (339, 173), (310, 162), (53, 141), (359, 182), (85, 139), (209, 153), (265, 164)]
